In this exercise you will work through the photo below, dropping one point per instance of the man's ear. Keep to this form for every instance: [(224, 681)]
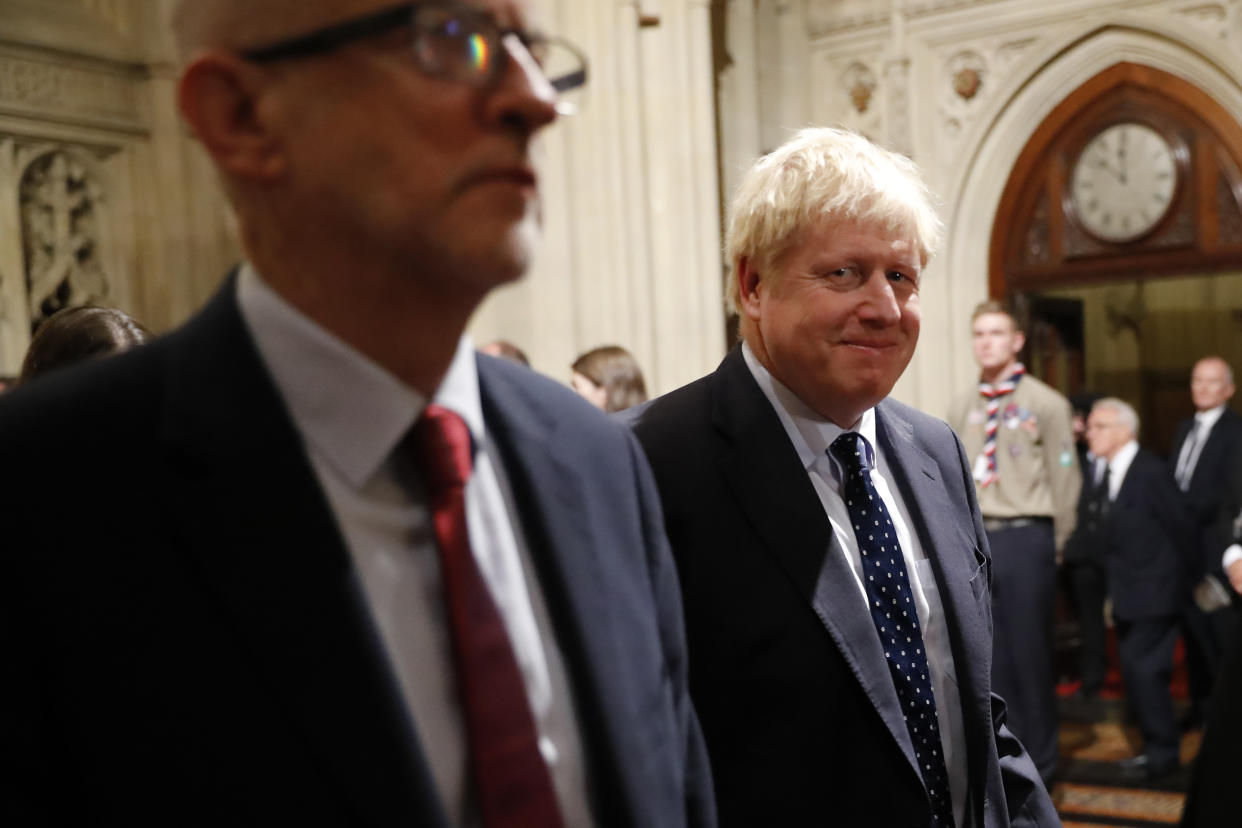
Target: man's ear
[(218, 96), (1019, 342), (747, 287)]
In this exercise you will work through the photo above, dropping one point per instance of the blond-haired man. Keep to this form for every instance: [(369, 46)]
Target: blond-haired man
[(835, 571)]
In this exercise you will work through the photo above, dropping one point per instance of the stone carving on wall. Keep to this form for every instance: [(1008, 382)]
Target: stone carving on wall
[(966, 71), (61, 202), (848, 92), (826, 16), (972, 77), (38, 88), (859, 83), (829, 16)]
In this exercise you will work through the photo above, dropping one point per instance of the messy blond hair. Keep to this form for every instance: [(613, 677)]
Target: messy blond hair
[(823, 172)]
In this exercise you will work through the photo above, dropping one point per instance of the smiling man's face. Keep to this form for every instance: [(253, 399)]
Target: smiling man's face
[(838, 319)]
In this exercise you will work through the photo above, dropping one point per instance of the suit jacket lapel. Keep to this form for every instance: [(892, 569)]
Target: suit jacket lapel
[(252, 513), (775, 494), (555, 508)]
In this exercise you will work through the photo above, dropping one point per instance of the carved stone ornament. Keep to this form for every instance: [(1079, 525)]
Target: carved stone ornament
[(966, 82), (966, 71), (60, 204), (860, 83)]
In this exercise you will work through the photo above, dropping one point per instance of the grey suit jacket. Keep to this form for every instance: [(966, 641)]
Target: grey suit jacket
[(802, 721), (185, 637)]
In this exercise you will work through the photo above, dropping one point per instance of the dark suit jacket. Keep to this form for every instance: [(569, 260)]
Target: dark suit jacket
[(1149, 538), (1214, 798), (1086, 544), (1209, 482), (801, 717), (184, 635)]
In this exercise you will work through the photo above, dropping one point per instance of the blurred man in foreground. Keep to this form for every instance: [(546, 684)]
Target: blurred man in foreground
[(311, 561)]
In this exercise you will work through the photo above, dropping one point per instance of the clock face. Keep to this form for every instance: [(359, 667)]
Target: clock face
[(1123, 182)]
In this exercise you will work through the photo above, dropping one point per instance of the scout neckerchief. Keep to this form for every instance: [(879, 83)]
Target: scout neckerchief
[(993, 394)]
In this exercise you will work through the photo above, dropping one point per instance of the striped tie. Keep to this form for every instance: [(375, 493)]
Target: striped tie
[(993, 394)]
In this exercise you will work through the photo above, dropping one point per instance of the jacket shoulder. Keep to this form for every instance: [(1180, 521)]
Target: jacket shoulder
[(1044, 394), (924, 425)]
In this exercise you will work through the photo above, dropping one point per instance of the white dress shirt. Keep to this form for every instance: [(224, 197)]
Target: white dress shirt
[(1118, 466), (351, 415), (1192, 446), (811, 436)]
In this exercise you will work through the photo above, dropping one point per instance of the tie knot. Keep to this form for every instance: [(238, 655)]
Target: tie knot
[(852, 451), (441, 443)]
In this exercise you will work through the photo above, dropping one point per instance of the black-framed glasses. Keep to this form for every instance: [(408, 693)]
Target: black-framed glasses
[(450, 41)]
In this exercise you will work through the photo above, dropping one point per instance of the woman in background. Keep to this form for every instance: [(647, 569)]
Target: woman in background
[(76, 334), (609, 378)]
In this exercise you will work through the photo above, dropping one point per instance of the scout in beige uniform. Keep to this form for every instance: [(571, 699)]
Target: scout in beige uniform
[(1017, 433)]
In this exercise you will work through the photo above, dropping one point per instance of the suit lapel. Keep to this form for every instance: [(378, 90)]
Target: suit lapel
[(949, 548), (556, 507), (1206, 473), (773, 491), (1179, 440), (253, 516)]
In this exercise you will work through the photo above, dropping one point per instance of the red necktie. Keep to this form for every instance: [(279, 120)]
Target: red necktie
[(511, 778)]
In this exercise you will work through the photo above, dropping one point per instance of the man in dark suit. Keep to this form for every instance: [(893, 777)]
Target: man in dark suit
[(1214, 796), (1084, 558), (840, 650), (1201, 455), (309, 560), (1147, 535)]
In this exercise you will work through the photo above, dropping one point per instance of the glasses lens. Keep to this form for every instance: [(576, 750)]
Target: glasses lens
[(566, 70), (456, 45)]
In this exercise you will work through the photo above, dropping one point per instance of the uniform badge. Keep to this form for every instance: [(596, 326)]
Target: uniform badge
[(1012, 415)]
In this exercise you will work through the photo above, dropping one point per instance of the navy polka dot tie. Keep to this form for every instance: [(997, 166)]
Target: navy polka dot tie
[(892, 609)]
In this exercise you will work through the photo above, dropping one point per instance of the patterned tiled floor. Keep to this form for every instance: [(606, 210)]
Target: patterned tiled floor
[(1092, 792)]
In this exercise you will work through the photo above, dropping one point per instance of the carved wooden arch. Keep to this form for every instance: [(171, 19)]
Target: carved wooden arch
[(1036, 241)]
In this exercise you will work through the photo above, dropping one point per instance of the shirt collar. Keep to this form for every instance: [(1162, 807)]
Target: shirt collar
[(810, 433), (1120, 464), (1206, 419), (347, 407)]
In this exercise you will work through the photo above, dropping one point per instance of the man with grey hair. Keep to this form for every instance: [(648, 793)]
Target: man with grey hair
[(834, 567), (1146, 534), (310, 560)]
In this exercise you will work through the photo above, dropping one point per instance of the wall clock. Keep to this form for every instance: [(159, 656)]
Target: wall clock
[(1123, 182)]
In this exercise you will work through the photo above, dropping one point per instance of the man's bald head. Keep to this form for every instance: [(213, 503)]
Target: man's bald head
[(232, 25), (1211, 383)]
